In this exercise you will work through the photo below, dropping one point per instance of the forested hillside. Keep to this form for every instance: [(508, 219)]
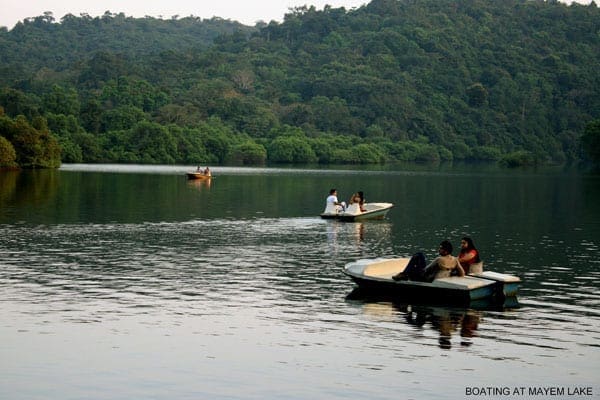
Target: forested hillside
[(421, 80)]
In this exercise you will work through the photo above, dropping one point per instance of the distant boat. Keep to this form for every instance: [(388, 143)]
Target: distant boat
[(376, 275), (354, 213), (198, 175)]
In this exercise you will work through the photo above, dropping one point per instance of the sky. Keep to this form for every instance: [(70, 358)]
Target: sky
[(245, 11)]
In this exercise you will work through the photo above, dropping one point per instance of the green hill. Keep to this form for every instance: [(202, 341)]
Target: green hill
[(421, 80)]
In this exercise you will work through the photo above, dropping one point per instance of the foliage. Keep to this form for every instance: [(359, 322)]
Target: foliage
[(519, 158), (8, 156), (291, 149), (393, 80), (591, 141), (249, 152), (33, 144)]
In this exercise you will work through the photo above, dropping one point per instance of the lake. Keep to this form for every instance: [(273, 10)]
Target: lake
[(131, 282)]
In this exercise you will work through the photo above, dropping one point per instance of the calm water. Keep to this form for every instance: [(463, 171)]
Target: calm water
[(129, 282)]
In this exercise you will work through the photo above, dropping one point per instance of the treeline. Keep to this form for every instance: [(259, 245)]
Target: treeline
[(424, 80)]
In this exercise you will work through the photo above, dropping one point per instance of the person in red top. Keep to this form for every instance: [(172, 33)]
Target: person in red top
[(469, 254)]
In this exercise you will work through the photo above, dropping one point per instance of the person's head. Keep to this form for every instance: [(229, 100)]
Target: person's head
[(466, 243), (333, 191), (446, 247)]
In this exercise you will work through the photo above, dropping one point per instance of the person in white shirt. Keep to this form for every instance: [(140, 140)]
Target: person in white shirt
[(333, 199)]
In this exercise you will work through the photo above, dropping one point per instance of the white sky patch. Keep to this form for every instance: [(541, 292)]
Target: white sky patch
[(246, 12)]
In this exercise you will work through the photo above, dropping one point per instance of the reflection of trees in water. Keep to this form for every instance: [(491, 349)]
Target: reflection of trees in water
[(28, 187), (8, 184)]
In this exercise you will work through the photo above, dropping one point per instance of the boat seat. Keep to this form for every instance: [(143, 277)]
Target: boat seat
[(386, 268)]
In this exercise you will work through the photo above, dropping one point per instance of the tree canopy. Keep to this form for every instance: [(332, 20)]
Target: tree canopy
[(423, 80)]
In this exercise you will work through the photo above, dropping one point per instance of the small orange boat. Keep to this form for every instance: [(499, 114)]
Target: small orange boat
[(197, 175)]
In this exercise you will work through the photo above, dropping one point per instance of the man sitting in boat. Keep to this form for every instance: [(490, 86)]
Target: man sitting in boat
[(332, 201), (441, 267), (207, 172)]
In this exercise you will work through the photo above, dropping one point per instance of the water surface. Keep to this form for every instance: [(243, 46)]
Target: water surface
[(121, 282)]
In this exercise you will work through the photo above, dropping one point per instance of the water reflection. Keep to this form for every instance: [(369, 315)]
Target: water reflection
[(27, 187), (447, 321), (199, 184), (359, 234), (462, 323)]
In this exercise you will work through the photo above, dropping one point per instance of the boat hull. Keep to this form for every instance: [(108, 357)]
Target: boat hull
[(373, 211), (197, 175), (375, 276), (375, 214), (510, 284), (425, 291)]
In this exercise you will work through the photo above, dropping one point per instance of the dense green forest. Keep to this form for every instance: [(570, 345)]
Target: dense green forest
[(394, 80)]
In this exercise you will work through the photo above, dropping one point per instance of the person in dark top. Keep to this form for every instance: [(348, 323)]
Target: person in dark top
[(441, 267)]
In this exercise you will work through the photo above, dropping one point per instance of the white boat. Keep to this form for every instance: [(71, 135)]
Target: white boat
[(376, 275), (354, 213)]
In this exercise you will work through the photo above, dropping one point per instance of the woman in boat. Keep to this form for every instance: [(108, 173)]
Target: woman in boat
[(468, 255), (361, 201), (358, 198), (441, 267)]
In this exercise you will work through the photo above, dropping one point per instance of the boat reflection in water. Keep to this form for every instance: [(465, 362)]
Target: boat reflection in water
[(199, 183), (339, 233), (448, 321)]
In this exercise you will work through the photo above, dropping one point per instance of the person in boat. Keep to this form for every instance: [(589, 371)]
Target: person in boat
[(207, 172), (198, 169), (468, 255), (442, 266), (358, 198), (355, 199), (333, 199), (361, 201)]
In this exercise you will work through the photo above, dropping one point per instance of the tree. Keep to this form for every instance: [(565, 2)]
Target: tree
[(16, 102), (8, 156), (291, 149), (153, 143), (249, 152), (34, 145), (477, 95), (590, 141), (61, 101)]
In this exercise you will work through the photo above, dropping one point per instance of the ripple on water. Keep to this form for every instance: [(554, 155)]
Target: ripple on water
[(277, 284)]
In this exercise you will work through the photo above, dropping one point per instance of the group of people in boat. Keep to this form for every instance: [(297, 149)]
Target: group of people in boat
[(205, 171), (356, 198), (445, 265)]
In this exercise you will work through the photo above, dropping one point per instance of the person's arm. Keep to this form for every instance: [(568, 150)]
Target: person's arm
[(459, 268)]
